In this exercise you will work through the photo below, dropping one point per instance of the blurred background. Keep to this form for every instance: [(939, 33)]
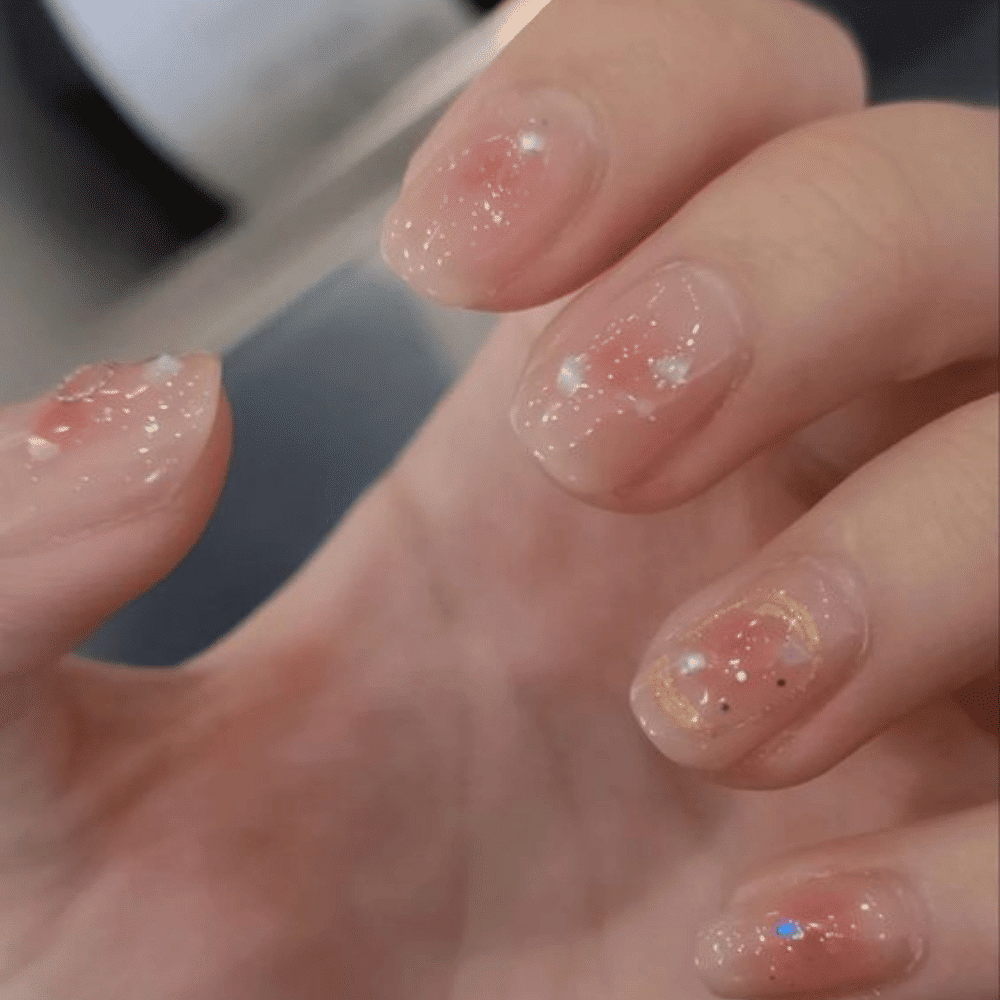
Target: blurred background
[(186, 173)]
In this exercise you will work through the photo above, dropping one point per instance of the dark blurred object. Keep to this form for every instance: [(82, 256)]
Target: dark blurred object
[(103, 166), (936, 51), (101, 169), (133, 176), (894, 33)]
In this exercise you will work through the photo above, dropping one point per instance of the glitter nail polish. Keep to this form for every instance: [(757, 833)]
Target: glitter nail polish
[(495, 197), (112, 441), (720, 681), (835, 933), (613, 386)]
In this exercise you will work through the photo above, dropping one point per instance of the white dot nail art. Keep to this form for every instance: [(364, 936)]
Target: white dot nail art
[(691, 663), (531, 142), (41, 449), (571, 377)]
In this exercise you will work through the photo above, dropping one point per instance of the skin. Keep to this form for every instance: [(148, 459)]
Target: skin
[(341, 797), (414, 774)]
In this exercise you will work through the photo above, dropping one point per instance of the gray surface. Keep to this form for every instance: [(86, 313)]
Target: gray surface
[(324, 397), (322, 401), (962, 67)]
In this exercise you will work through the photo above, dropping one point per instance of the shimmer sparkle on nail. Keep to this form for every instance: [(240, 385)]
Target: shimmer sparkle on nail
[(613, 386), (110, 442), (720, 681), (496, 196), (834, 933)]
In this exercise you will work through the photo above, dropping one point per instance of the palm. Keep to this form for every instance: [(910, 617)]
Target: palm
[(414, 774)]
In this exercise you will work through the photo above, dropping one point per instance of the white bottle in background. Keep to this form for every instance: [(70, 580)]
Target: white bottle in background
[(302, 118), (234, 92)]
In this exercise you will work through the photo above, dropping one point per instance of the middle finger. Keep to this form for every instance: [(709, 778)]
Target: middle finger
[(853, 253)]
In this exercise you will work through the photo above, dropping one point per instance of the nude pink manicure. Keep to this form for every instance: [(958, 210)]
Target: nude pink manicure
[(830, 935), (495, 197), (728, 672), (113, 441), (612, 387)]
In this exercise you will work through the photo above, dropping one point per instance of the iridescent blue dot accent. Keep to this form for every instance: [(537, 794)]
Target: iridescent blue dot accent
[(790, 929)]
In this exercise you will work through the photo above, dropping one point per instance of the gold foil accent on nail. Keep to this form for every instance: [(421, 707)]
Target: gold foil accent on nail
[(772, 603), (670, 701), (795, 615)]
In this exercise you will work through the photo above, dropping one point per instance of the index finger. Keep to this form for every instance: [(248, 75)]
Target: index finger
[(595, 125)]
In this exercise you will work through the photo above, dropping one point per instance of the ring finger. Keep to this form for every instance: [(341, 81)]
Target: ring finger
[(881, 598)]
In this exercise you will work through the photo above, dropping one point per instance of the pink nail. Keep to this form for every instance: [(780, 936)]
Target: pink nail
[(613, 387), (723, 676), (834, 934), (495, 197), (113, 441)]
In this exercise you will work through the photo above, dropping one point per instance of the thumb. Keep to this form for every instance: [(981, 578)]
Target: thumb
[(105, 483)]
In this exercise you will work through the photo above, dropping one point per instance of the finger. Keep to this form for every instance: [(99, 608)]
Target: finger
[(596, 123), (911, 914), (880, 598), (850, 255), (488, 531), (828, 450), (106, 482)]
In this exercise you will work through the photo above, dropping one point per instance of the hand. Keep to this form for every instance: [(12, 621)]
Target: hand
[(413, 773), (829, 304)]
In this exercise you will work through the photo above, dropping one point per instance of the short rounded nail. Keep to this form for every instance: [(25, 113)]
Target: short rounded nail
[(834, 934), (111, 442), (729, 671), (495, 196), (612, 387)]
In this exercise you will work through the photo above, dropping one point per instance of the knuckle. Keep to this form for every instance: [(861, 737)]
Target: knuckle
[(862, 199), (887, 197)]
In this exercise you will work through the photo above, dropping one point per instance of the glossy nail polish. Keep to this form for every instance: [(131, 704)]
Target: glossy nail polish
[(834, 934), (719, 681), (612, 387), (113, 441), (495, 196)]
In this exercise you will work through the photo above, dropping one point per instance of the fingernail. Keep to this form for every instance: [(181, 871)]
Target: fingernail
[(495, 196), (723, 676), (111, 442), (832, 934), (611, 389)]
